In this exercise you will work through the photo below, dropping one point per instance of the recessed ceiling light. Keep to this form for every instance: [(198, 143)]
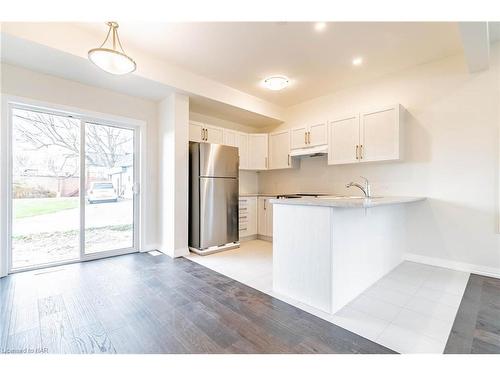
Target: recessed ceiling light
[(320, 26), (276, 83), (357, 61)]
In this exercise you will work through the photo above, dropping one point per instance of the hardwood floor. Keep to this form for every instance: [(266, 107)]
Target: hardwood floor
[(477, 325), (143, 304)]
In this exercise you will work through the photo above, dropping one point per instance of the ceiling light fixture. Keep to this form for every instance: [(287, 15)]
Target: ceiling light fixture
[(357, 61), (276, 83), (112, 60), (320, 26)]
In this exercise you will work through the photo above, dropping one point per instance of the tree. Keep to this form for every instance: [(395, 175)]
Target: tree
[(105, 145)]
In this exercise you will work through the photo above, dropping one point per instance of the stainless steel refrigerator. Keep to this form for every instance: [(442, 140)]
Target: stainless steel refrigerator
[(213, 197)]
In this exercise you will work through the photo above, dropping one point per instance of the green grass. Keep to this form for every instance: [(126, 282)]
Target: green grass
[(41, 206)]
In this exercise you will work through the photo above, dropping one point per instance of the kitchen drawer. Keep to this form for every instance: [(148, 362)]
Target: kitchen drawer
[(247, 216)]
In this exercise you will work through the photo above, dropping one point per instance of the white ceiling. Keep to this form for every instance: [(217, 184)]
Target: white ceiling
[(240, 55), (36, 57)]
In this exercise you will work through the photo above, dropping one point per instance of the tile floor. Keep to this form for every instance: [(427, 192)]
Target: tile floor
[(410, 310)]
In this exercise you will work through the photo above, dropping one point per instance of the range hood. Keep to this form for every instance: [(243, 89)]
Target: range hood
[(310, 151)]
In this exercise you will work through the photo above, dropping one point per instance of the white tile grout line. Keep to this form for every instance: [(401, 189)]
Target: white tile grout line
[(407, 309)]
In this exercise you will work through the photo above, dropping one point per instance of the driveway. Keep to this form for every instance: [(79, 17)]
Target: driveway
[(97, 215)]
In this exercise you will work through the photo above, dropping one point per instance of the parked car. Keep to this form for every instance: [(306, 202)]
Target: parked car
[(102, 191)]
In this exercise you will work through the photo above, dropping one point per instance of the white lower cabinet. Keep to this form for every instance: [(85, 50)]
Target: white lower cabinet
[(248, 216), (265, 217)]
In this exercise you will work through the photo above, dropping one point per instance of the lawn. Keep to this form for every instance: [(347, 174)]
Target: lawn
[(40, 206)]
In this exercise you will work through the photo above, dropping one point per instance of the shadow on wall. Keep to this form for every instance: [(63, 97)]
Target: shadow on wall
[(416, 140), (459, 233)]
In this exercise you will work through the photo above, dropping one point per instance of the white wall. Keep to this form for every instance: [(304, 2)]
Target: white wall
[(173, 134), (451, 157), (32, 85), (222, 123)]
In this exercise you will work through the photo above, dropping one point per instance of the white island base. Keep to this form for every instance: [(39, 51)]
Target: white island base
[(326, 255)]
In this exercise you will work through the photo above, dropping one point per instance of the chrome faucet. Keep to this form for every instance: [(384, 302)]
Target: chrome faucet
[(365, 189)]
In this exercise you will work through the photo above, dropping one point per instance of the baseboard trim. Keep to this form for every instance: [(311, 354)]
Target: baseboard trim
[(264, 238), (150, 247), (454, 265), (248, 238)]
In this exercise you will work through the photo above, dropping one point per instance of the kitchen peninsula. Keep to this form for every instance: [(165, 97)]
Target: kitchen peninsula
[(328, 250)]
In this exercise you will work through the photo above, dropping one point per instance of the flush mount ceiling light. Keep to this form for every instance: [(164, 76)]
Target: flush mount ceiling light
[(112, 60), (276, 83), (357, 61), (320, 26)]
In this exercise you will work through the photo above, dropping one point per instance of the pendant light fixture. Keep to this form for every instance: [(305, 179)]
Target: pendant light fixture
[(110, 58)]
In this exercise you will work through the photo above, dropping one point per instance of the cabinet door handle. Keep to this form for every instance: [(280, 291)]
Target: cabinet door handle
[(288, 159), (206, 134), (305, 138), (309, 137), (357, 147), (361, 151), (265, 200)]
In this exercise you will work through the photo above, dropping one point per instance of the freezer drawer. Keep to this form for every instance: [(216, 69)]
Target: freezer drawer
[(218, 207)]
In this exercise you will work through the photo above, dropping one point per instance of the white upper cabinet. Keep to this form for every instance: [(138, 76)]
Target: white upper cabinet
[(242, 141), (343, 140), (279, 150), (214, 134), (237, 139), (200, 132), (257, 151), (298, 137), (309, 136), (317, 134), (196, 131), (371, 136), (380, 134)]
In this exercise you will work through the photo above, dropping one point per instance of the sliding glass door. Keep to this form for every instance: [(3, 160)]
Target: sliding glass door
[(45, 191), (73, 189), (109, 184)]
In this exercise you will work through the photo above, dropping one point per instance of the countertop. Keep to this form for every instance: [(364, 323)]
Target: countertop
[(348, 202), (275, 194)]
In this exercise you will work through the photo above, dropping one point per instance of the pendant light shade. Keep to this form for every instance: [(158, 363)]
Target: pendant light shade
[(110, 58)]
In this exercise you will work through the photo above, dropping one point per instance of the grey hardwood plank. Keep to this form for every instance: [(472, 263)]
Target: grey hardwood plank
[(26, 342), (189, 334), (56, 331), (143, 304), (476, 328), (92, 339)]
